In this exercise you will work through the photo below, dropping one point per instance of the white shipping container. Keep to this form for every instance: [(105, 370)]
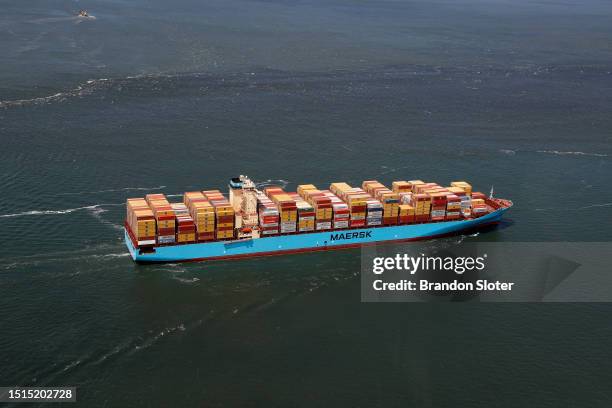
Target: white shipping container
[(438, 213), (323, 225), (405, 198), (357, 217), (166, 239), (341, 224), (147, 242), (374, 221)]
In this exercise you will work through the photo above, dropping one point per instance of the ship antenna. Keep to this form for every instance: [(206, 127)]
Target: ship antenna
[(491, 193)]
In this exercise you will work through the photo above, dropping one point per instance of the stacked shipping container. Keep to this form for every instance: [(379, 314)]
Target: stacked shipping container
[(356, 199), (388, 199), (479, 206), (453, 207), (224, 214), (141, 221), (422, 206), (202, 213), (321, 203), (340, 209), (466, 196), (268, 215), (185, 227), (287, 209), (407, 211), (306, 213), (406, 214), (374, 212), (164, 218)]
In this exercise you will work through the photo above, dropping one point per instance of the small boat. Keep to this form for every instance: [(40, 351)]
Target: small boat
[(83, 13)]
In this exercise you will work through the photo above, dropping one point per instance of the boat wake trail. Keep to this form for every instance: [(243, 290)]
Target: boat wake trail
[(85, 89), (595, 206), (97, 214), (559, 153), (57, 212), (112, 190), (148, 342), (74, 19), (280, 183), (586, 207)]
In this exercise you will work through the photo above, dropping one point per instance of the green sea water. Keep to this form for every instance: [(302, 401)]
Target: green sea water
[(157, 97)]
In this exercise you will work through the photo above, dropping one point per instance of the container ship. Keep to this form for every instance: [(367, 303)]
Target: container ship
[(249, 222)]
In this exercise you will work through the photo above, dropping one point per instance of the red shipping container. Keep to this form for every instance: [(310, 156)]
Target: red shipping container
[(453, 198), (358, 223), (225, 228), (406, 219), (389, 220), (225, 219), (206, 236), (421, 218), (165, 231), (155, 197), (273, 189), (269, 219), (478, 195)]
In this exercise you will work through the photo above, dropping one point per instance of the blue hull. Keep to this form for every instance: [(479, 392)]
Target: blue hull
[(307, 242)]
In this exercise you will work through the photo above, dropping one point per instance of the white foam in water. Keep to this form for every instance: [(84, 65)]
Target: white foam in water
[(55, 212), (281, 183), (81, 90), (111, 190), (559, 153), (596, 205)]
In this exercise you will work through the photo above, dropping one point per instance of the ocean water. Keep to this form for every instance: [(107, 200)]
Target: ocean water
[(148, 96)]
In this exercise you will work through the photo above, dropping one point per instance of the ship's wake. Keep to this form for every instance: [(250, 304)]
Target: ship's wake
[(560, 153), (58, 212), (110, 190)]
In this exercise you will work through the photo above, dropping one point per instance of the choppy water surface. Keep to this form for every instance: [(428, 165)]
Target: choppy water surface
[(153, 97)]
